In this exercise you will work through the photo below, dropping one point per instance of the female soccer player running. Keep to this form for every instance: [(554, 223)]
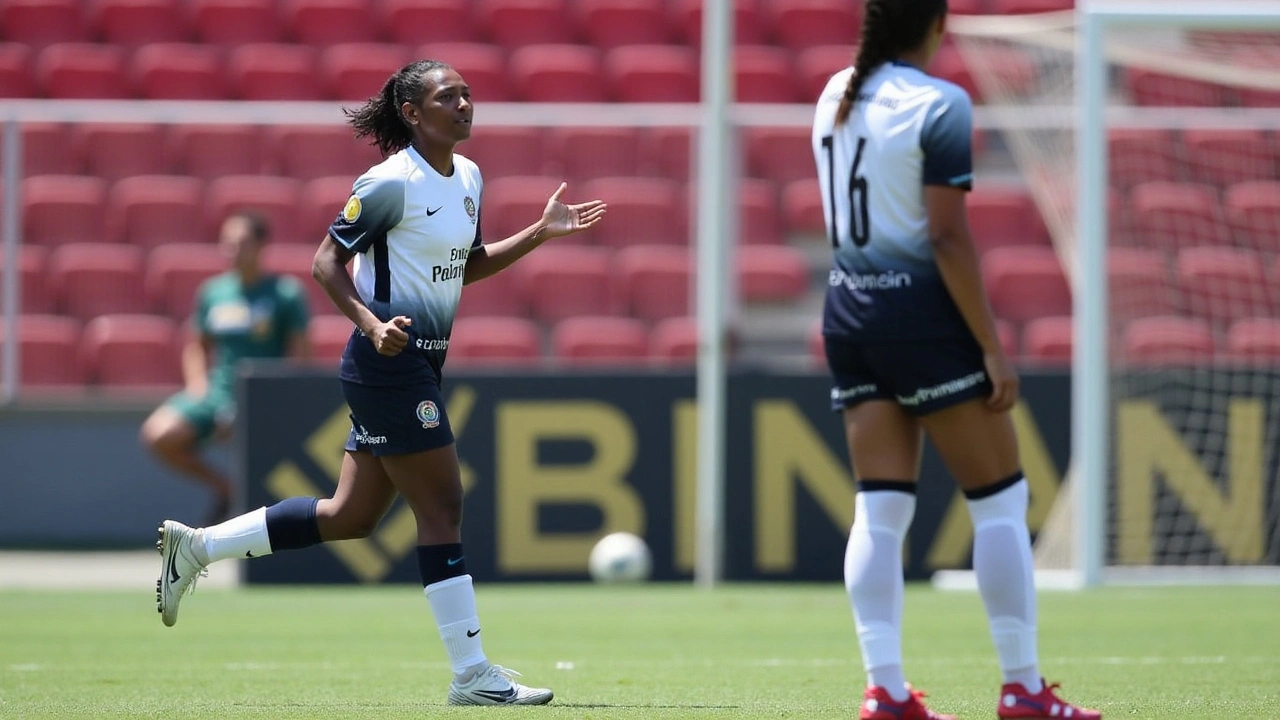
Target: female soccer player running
[(912, 346), (412, 226)]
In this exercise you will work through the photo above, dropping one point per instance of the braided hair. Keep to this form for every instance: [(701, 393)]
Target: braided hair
[(889, 28), (380, 116)]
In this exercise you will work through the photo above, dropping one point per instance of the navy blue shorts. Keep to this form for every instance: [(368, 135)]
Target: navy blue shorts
[(921, 376), (396, 420)]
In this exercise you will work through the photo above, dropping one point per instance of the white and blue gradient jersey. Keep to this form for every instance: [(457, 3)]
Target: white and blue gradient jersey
[(907, 130), (411, 229)]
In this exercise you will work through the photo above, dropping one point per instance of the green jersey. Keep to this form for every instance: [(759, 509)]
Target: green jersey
[(252, 322)]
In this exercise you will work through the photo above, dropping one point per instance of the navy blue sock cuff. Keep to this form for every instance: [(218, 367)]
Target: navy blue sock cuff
[(994, 488), (291, 524), (440, 562), (902, 486)]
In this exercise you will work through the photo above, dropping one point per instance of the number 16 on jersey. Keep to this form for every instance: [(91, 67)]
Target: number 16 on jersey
[(856, 197)]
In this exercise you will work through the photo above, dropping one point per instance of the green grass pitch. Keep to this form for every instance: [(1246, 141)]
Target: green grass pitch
[(658, 651)]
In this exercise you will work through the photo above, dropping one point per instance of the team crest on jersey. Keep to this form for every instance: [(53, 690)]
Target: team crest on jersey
[(351, 211), (429, 414), (470, 206)]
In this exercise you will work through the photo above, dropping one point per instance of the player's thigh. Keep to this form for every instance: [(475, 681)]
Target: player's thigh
[(884, 441), (978, 446), (430, 481), (176, 423), (363, 496)]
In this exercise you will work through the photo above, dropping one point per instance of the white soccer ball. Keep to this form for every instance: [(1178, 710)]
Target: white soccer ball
[(619, 558)]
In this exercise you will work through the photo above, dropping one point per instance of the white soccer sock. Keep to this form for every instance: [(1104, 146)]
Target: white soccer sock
[(873, 577), (1003, 566), (241, 536), (453, 603)]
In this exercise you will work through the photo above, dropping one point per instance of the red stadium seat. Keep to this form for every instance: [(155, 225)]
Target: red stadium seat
[(1013, 70), (322, 200), (35, 294), (412, 22), (564, 280), (500, 295), (132, 351), (616, 23), (513, 203), (1265, 57), (275, 197), (139, 22), (966, 7), (93, 279), (47, 351), (506, 151), (357, 71), (43, 22), (180, 72), (275, 72), (329, 22), (175, 272), (237, 22), (758, 222), (516, 23), (210, 151), (671, 152), (763, 75), (1224, 284), (59, 209), (816, 65), (119, 150), (654, 281), (1154, 89), (482, 66), (586, 153), (749, 28), (802, 209), (47, 150), (1027, 7), (780, 154), (328, 336), (491, 341), (1165, 341), (641, 211), (17, 72), (674, 341), (1139, 285), (802, 24), (154, 210), (295, 262), (1002, 216), (81, 70), (1170, 216), (1255, 341), (307, 152), (1136, 156), (772, 274), (652, 73), (1224, 157), (1025, 283), (1048, 341), (591, 341), (1253, 212), (558, 73)]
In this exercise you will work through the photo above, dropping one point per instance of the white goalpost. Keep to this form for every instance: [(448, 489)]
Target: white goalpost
[(1146, 132)]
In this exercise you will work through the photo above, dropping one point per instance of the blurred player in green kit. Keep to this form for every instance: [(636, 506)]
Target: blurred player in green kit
[(240, 314)]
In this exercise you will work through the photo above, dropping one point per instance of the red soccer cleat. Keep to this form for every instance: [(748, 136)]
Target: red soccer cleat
[(1018, 704), (878, 704)]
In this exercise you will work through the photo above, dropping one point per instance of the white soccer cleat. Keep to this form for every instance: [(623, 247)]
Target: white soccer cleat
[(496, 685), (179, 568)]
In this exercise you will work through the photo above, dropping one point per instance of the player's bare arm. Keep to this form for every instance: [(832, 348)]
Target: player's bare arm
[(558, 219)]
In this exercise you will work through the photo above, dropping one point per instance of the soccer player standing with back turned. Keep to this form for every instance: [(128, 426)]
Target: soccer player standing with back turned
[(912, 346), (412, 225)]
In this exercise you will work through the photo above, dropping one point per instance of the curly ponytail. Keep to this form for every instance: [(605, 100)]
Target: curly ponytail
[(380, 116), (889, 28)]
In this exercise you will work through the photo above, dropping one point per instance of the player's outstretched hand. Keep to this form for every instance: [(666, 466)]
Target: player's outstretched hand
[(1004, 382), (389, 338), (561, 219)]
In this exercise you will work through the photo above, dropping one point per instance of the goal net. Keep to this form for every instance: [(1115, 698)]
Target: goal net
[(1190, 387)]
